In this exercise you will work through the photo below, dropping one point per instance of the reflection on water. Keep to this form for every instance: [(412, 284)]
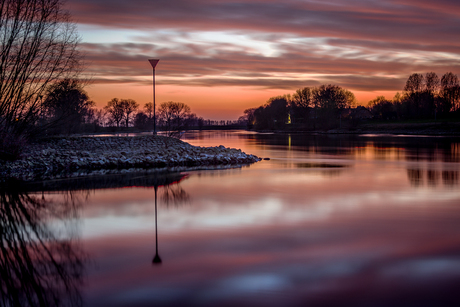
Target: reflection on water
[(332, 154), (37, 267), (417, 177), (445, 149), (327, 221), (42, 263), (174, 195)]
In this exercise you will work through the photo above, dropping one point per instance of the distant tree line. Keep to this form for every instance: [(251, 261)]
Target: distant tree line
[(330, 106), (424, 97), (307, 108), (67, 106)]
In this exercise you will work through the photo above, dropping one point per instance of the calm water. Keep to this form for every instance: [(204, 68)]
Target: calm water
[(327, 221)]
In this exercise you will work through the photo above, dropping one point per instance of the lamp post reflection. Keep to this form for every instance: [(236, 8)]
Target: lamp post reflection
[(171, 193), (156, 260)]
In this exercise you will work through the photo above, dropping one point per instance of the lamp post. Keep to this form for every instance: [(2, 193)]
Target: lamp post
[(154, 63)]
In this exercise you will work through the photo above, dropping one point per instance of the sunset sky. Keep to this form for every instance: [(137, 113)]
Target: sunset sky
[(221, 57)]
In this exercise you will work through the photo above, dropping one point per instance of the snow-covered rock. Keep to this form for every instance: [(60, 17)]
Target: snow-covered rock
[(64, 156)]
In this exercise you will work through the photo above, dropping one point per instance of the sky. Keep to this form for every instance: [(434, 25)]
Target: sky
[(221, 57)]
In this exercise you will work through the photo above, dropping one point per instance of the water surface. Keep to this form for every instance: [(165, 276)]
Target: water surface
[(328, 220)]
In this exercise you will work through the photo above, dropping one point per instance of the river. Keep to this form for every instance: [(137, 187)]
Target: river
[(326, 220)]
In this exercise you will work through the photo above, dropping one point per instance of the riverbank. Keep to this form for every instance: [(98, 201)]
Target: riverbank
[(63, 157)]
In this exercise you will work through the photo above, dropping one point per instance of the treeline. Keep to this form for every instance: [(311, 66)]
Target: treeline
[(424, 97), (67, 109), (308, 108), (331, 106)]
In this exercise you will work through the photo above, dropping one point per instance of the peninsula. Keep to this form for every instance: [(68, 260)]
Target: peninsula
[(63, 157)]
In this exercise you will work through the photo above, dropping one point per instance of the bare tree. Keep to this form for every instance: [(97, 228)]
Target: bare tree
[(38, 48), (174, 117), (129, 106), (414, 83), (149, 111), (99, 117), (115, 110), (450, 91), (432, 82), (333, 97), (121, 110), (303, 98)]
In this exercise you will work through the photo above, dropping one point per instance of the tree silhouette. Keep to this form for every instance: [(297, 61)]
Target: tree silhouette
[(432, 82), (382, 108), (174, 117), (332, 99), (414, 83), (115, 109), (38, 47), (302, 101), (66, 105), (121, 110), (450, 91), (149, 111), (141, 121), (414, 87), (129, 106), (303, 98)]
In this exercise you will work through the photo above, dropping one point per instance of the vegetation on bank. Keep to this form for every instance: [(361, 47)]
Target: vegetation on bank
[(326, 107), (38, 47)]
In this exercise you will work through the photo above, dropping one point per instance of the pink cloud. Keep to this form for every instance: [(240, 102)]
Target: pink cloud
[(361, 45)]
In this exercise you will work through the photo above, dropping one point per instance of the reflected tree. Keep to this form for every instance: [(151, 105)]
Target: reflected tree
[(174, 194), (415, 176), (433, 177), (37, 268), (450, 178)]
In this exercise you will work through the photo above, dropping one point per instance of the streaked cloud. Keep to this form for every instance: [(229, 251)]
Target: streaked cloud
[(362, 45)]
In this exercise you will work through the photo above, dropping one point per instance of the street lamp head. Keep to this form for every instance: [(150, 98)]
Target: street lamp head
[(153, 62)]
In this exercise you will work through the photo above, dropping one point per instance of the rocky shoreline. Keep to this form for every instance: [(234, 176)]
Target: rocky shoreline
[(63, 157)]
